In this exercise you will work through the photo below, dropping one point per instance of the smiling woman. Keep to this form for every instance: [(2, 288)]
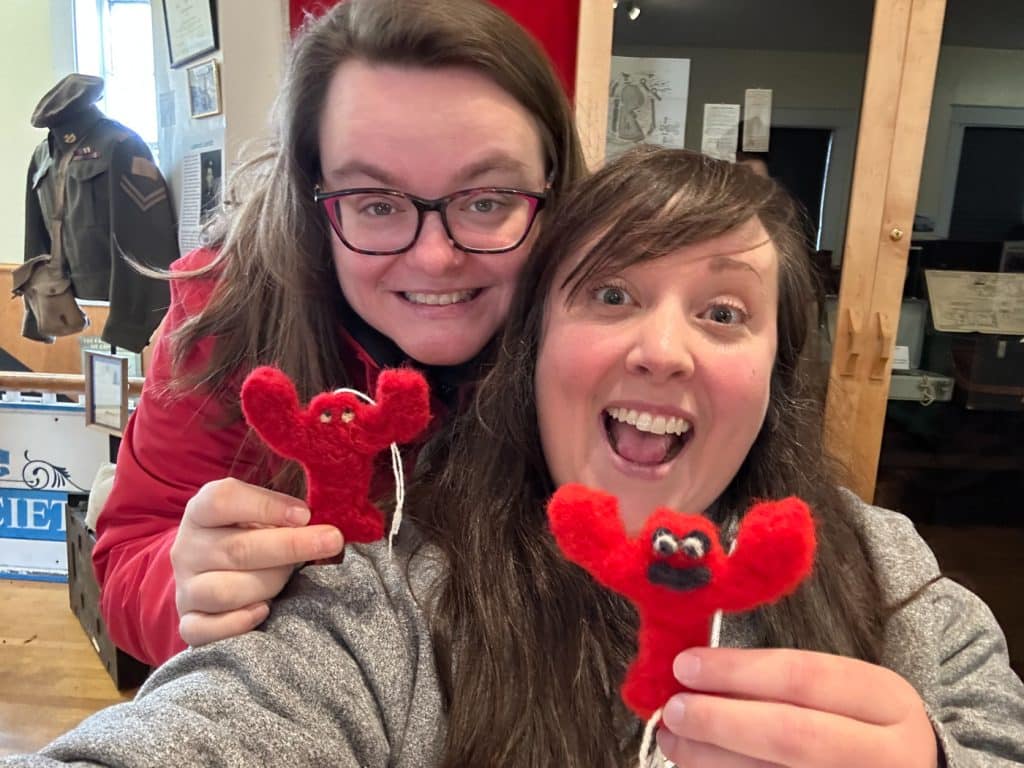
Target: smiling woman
[(437, 299), (417, 143), (654, 351), (696, 343)]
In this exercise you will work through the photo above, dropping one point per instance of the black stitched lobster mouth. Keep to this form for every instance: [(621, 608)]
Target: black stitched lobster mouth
[(678, 579)]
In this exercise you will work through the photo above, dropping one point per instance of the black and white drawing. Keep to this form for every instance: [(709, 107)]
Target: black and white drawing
[(647, 103)]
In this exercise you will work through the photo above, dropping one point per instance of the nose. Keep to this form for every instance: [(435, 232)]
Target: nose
[(662, 347), (434, 253)]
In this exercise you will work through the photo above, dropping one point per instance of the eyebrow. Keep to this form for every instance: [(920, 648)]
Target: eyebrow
[(721, 262), (724, 263), (362, 168), (498, 161)]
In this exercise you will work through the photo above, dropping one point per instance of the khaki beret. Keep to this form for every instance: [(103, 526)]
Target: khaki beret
[(71, 95)]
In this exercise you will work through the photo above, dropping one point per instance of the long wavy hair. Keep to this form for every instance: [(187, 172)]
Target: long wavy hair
[(530, 649), (277, 298)]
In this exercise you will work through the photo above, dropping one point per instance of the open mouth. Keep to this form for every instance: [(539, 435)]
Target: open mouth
[(441, 299), (645, 438)]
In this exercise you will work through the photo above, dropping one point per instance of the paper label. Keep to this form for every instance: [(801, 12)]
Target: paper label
[(721, 131), (757, 119), (901, 358), (981, 302)]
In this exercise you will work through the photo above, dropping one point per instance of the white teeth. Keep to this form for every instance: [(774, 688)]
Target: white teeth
[(439, 299), (648, 422)]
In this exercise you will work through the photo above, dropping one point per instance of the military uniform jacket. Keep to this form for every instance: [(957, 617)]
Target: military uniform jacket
[(117, 206)]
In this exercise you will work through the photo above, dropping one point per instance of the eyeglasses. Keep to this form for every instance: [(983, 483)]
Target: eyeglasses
[(384, 222)]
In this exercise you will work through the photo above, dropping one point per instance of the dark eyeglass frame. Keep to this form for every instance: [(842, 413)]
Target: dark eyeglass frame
[(424, 205)]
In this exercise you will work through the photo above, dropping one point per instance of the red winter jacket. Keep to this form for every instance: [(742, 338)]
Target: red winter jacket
[(173, 445)]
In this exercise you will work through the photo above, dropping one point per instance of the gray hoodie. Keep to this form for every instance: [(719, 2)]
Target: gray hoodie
[(342, 673)]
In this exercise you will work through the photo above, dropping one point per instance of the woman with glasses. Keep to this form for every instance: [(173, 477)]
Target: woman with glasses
[(418, 146)]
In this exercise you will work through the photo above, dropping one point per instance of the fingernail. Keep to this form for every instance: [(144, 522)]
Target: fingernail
[(329, 542), (297, 515), (667, 742), (687, 668), (674, 712)]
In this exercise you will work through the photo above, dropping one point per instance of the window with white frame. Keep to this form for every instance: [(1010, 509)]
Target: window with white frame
[(114, 40)]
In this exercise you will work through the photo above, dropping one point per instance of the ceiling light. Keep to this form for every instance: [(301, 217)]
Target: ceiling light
[(615, 4), (634, 11)]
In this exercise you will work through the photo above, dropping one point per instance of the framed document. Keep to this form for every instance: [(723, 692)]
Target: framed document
[(191, 29), (106, 391)]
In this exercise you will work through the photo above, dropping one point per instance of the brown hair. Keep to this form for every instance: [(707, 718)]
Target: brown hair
[(530, 649), (277, 298)]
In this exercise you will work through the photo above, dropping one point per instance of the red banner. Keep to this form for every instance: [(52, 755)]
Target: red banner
[(553, 23)]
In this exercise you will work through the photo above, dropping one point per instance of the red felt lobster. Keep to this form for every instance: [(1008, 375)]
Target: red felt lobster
[(677, 574), (336, 439)]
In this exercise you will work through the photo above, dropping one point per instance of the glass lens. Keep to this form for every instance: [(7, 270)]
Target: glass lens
[(489, 220), (374, 221)]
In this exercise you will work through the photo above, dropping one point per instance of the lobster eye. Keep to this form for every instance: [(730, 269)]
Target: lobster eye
[(695, 545), (347, 415), (663, 543), (325, 417)]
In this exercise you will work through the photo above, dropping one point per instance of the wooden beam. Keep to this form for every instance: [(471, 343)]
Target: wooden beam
[(64, 383), (898, 89), (593, 72)]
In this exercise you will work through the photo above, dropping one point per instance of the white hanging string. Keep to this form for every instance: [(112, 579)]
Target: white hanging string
[(396, 469), (655, 759), (647, 757)]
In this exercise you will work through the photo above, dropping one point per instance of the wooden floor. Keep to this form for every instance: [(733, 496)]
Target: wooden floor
[(50, 676)]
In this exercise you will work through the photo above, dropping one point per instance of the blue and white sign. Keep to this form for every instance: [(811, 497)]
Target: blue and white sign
[(46, 452)]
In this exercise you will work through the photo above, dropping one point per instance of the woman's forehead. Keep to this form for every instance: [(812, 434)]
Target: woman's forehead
[(615, 248)]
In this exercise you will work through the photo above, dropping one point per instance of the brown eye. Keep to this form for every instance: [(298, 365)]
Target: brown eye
[(347, 415), (325, 417)]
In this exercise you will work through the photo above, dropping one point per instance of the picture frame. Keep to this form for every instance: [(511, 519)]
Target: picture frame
[(191, 27), (204, 89), (106, 391)]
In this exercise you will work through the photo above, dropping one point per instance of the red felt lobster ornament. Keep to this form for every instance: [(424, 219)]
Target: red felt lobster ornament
[(336, 439), (677, 574)]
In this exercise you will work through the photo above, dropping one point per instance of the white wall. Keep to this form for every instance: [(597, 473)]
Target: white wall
[(817, 80), (35, 52), (177, 131), (252, 39), (800, 80), (810, 90), (979, 77), (255, 47)]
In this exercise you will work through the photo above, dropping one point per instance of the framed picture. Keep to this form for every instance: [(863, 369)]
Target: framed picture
[(204, 89), (106, 391), (191, 29)]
